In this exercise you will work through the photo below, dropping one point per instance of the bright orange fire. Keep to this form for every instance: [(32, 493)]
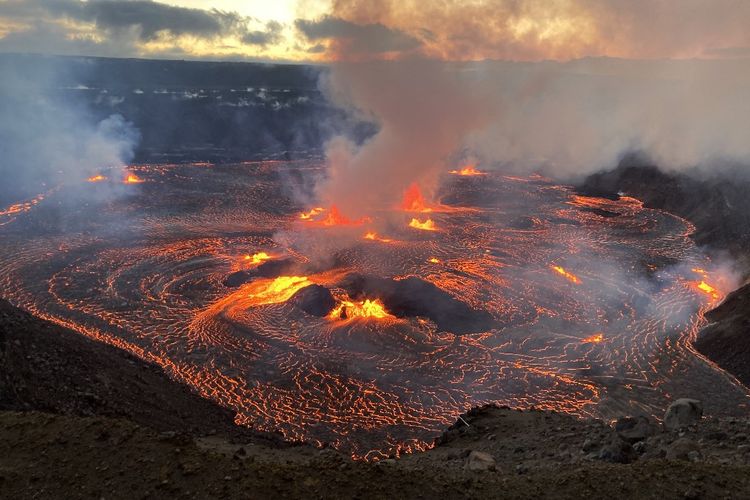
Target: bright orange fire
[(427, 225), (373, 236), (569, 276), (468, 171), (277, 290), (257, 258), (96, 178), (434, 260), (346, 309), (593, 339), (336, 218), (312, 213), (132, 179), (708, 289), (703, 286), (414, 201), (333, 218)]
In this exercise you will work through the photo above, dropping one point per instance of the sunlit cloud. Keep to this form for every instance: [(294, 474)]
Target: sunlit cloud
[(330, 30)]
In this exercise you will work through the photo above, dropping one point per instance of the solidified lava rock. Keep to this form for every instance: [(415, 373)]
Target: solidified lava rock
[(315, 300), (413, 297)]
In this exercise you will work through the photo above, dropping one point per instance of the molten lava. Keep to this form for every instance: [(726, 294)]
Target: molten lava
[(347, 309), (372, 236), (593, 339), (312, 213), (336, 218), (427, 225), (96, 178), (434, 260), (274, 291), (703, 286), (257, 258), (708, 289), (132, 179), (467, 171), (414, 201), (569, 276), (333, 218)]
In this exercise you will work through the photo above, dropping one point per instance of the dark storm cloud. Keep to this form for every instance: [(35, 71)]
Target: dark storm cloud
[(358, 38), (271, 35), (149, 18)]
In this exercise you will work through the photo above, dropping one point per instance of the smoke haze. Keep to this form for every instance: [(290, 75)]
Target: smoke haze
[(46, 140), (561, 119)]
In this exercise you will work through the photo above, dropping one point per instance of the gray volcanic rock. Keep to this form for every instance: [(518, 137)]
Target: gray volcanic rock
[(683, 449), (682, 413), (480, 461), (633, 429)]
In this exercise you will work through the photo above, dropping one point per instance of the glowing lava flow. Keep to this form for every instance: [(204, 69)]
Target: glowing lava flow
[(414, 201), (427, 225), (96, 178), (276, 290), (593, 339), (708, 289), (334, 217), (467, 171), (569, 276), (132, 179), (372, 236), (357, 379), (257, 258), (312, 213), (703, 286), (347, 309)]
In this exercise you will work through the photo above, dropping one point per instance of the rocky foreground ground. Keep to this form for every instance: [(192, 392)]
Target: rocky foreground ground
[(79, 419)]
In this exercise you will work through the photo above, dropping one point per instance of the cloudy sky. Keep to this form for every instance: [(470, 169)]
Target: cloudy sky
[(328, 30)]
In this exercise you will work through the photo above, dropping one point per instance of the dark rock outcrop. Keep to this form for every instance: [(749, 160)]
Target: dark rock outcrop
[(45, 367), (682, 413), (726, 340), (414, 297), (315, 300)]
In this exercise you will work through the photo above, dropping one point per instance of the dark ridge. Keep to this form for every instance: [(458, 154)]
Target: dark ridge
[(412, 297), (45, 367), (726, 341), (315, 300), (718, 205)]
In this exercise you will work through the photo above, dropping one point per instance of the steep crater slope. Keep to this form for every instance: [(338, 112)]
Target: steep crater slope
[(719, 208)]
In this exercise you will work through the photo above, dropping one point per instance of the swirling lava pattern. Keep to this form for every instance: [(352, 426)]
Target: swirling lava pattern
[(594, 301)]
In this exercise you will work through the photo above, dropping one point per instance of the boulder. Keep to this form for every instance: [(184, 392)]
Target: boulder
[(683, 449), (315, 300), (480, 461), (633, 429), (682, 413), (618, 451)]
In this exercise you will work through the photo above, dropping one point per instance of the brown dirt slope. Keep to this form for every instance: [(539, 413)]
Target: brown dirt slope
[(53, 456), (49, 368)]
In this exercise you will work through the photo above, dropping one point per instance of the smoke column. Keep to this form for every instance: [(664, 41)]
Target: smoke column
[(562, 119)]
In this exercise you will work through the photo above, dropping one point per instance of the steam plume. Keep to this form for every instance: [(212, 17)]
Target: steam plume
[(47, 137)]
